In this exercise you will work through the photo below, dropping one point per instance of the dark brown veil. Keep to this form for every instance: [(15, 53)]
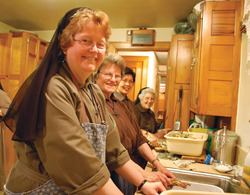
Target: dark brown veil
[(1, 87), (27, 111)]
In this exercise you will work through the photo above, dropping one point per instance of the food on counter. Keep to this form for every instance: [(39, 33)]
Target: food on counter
[(183, 163), (182, 134), (176, 182), (159, 149)]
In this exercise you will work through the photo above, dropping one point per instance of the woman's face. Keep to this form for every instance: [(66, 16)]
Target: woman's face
[(148, 100), (126, 84), (108, 79), (84, 60)]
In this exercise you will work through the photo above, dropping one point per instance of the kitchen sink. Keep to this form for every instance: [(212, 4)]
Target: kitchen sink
[(221, 181)]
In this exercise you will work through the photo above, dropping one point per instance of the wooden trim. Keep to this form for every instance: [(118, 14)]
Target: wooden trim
[(126, 46)]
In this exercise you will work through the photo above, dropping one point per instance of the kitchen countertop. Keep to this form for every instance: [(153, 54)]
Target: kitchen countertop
[(199, 167)]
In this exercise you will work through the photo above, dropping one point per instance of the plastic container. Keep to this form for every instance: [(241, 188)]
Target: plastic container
[(246, 169), (198, 130), (186, 146)]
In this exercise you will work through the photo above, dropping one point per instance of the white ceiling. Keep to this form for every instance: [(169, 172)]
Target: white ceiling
[(36, 15)]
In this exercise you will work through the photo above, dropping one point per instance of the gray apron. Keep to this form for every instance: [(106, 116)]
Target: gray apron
[(96, 134)]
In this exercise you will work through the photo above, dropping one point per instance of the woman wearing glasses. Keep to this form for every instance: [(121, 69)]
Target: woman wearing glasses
[(65, 140), (108, 77), (146, 117)]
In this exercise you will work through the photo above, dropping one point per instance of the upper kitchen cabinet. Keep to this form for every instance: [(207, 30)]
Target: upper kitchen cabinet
[(21, 54), (215, 69)]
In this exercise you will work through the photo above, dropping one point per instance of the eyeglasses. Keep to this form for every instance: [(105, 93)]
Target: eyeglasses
[(109, 75), (147, 98), (127, 81), (89, 43)]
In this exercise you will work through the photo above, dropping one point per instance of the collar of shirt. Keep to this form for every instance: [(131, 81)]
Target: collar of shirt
[(112, 98), (119, 96)]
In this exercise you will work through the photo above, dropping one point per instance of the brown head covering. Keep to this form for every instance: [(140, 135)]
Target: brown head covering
[(27, 112)]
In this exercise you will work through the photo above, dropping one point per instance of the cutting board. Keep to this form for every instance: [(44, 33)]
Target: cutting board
[(199, 159)]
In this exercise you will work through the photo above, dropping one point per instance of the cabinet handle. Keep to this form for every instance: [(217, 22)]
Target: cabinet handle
[(193, 62)]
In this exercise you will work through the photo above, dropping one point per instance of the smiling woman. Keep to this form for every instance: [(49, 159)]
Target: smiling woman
[(146, 117), (63, 98)]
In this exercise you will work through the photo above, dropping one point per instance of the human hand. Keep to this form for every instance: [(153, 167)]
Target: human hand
[(156, 177), (160, 134), (166, 130), (154, 141), (152, 188), (166, 172)]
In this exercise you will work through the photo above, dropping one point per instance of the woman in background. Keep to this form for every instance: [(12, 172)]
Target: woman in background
[(4, 105), (146, 117), (125, 86)]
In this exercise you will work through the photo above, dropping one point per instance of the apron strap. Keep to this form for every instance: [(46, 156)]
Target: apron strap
[(98, 106), (33, 175), (84, 116)]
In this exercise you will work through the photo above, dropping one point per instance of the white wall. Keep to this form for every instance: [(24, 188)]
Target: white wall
[(243, 113), (45, 34), (4, 28)]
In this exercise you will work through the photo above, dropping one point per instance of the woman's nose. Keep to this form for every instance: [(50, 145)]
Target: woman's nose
[(113, 78), (93, 47)]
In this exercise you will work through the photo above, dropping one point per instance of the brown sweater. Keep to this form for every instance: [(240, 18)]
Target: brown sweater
[(146, 119), (129, 131)]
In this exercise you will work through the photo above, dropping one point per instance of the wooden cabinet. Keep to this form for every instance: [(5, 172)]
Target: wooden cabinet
[(20, 54), (215, 72), (178, 75)]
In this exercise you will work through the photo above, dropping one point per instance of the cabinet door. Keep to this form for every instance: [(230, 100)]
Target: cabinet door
[(220, 58), (36, 49), (5, 49), (31, 56), (178, 76)]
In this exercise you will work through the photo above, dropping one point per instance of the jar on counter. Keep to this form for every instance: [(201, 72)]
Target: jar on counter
[(223, 146)]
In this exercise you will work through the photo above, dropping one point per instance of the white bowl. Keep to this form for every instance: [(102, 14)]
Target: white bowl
[(222, 168)]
